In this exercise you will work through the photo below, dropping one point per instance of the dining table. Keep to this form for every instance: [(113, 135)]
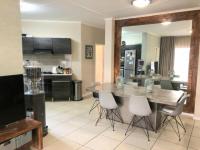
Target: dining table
[(157, 99)]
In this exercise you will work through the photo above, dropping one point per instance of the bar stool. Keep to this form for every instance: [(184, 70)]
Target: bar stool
[(108, 106), (139, 106)]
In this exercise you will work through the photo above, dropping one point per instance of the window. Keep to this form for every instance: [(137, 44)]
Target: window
[(181, 63)]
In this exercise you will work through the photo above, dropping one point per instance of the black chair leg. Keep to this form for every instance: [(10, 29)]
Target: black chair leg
[(146, 126), (131, 123), (181, 124), (112, 120), (94, 105), (100, 115), (177, 129), (151, 124)]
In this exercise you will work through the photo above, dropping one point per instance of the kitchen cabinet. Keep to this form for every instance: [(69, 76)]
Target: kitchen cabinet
[(62, 90), (46, 45), (43, 45), (27, 44), (58, 87), (61, 46)]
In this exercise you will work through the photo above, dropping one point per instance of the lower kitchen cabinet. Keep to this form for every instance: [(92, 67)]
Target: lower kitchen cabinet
[(58, 88), (62, 90)]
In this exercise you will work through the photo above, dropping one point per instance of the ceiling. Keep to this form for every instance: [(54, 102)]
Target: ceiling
[(93, 12), (179, 28)]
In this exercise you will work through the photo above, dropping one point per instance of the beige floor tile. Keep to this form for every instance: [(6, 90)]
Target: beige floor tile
[(140, 140), (63, 145), (196, 132), (84, 148), (103, 143), (125, 146), (63, 129), (49, 139), (197, 124), (171, 136), (188, 127), (165, 145), (194, 143), (82, 136), (117, 134)]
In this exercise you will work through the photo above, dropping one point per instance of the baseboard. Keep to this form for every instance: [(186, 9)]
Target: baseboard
[(188, 114), (87, 95), (196, 117)]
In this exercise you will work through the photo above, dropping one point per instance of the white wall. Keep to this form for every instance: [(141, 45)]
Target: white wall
[(59, 29), (152, 45), (131, 38), (109, 50), (11, 61), (90, 36)]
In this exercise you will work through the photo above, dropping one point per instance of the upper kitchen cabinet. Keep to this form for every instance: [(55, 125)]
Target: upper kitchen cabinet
[(28, 45), (44, 45), (61, 46)]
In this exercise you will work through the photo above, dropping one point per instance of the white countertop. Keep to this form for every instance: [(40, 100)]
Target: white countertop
[(57, 74)]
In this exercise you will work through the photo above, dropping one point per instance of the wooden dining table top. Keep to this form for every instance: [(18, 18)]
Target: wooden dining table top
[(160, 96)]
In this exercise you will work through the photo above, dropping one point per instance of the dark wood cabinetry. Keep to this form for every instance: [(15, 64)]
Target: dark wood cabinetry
[(46, 45), (61, 46), (58, 87), (62, 90), (28, 45), (42, 45)]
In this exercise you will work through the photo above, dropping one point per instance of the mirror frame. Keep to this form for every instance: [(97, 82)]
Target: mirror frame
[(194, 46)]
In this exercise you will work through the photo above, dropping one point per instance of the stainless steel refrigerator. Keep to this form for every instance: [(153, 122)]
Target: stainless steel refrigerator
[(129, 63)]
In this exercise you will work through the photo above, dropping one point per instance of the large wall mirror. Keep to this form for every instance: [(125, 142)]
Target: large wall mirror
[(165, 47)]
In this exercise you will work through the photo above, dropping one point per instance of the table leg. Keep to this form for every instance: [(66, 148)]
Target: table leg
[(38, 138)]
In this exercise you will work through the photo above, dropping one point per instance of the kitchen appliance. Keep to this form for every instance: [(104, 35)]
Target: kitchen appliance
[(140, 64), (33, 80), (34, 95), (129, 64), (12, 105)]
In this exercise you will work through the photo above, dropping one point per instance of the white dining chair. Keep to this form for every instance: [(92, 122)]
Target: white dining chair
[(139, 107), (174, 113), (108, 106)]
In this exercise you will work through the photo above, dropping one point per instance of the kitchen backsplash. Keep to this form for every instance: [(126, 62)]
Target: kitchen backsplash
[(48, 61)]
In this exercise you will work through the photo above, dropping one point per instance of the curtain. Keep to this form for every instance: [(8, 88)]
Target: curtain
[(167, 46), (182, 41)]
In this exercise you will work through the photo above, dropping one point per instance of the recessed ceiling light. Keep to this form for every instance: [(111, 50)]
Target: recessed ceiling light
[(141, 3), (27, 7), (166, 23)]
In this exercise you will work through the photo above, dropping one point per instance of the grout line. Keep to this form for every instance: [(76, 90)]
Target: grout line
[(124, 140), (158, 137), (190, 135)]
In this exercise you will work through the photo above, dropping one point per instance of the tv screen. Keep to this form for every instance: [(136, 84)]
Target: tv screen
[(12, 104)]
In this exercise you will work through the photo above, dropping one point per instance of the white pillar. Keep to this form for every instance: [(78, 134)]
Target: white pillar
[(109, 50)]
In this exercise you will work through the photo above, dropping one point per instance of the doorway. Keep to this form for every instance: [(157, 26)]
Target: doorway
[(99, 63)]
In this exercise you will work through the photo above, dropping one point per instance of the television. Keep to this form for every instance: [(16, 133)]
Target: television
[(12, 104)]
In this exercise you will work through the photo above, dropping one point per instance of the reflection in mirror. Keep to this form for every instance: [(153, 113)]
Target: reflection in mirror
[(160, 51)]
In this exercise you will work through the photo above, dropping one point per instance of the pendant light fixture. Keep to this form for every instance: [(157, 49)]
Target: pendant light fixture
[(141, 3)]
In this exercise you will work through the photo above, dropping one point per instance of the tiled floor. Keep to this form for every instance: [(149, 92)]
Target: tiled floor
[(72, 128)]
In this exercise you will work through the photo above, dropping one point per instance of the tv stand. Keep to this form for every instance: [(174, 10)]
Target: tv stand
[(5, 130), (21, 127)]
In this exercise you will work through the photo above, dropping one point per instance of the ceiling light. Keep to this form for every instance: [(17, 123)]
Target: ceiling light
[(166, 23), (27, 7), (141, 3)]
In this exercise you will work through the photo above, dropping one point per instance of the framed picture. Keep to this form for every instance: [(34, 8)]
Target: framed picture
[(89, 51)]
